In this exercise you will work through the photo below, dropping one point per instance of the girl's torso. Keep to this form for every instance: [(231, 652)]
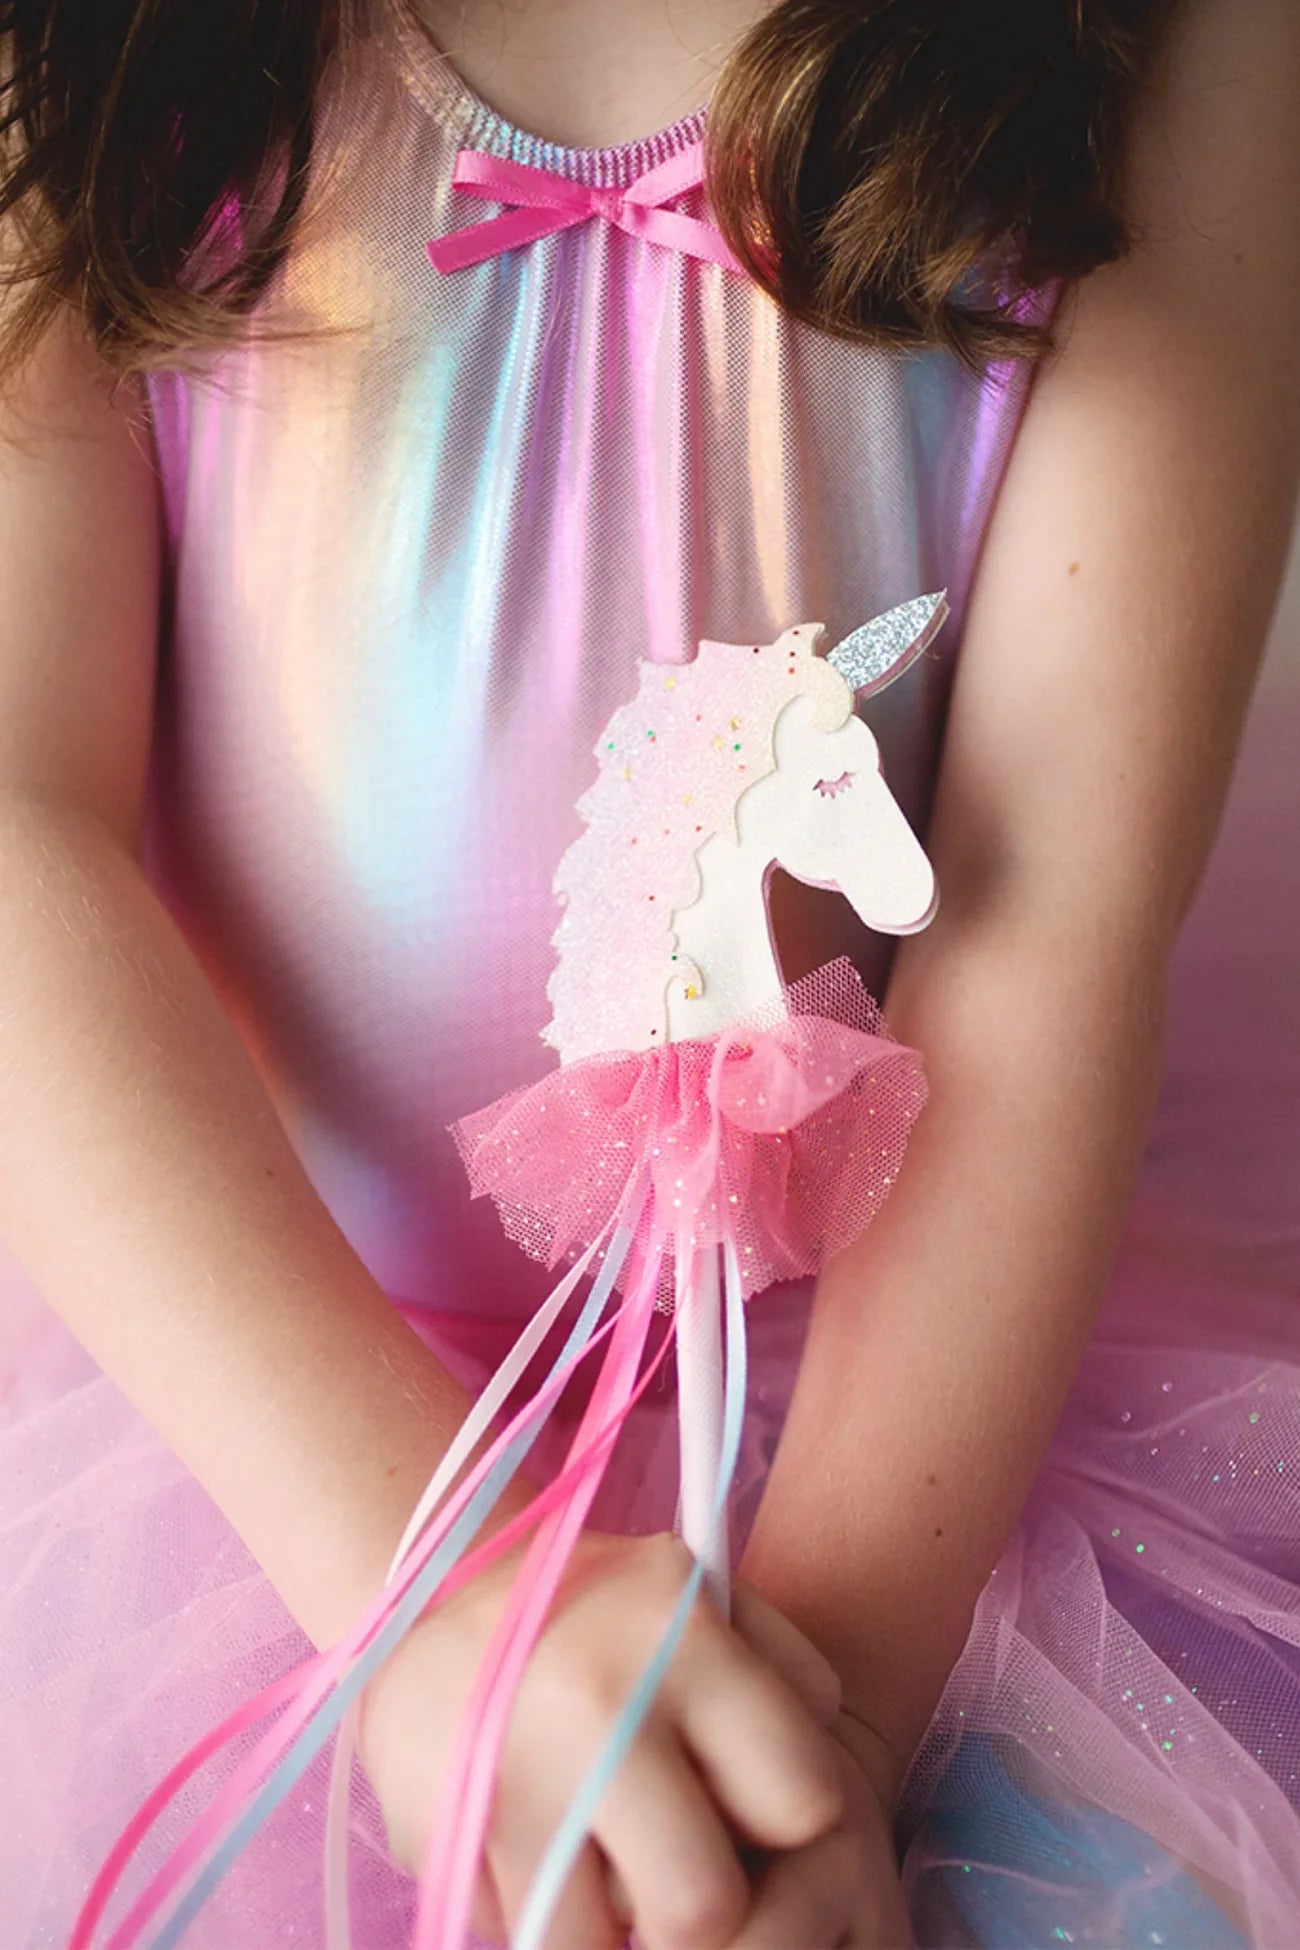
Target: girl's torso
[(416, 557)]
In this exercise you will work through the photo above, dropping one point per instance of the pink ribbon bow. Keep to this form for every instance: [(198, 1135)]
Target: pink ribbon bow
[(550, 203)]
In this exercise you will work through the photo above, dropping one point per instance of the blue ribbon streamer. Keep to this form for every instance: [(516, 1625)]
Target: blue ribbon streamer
[(548, 1882), (307, 1744)]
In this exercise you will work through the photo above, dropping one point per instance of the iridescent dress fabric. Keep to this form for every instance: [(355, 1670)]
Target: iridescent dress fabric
[(414, 557)]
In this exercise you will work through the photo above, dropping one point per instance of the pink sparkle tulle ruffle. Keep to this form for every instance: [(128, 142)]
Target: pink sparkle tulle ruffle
[(783, 1133)]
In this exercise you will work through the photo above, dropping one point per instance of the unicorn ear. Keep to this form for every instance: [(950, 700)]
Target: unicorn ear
[(882, 649)]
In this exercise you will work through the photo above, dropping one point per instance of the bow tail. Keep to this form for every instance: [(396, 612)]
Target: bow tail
[(674, 230)]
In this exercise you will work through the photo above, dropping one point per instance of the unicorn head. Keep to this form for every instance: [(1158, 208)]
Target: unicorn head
[(718, 771)]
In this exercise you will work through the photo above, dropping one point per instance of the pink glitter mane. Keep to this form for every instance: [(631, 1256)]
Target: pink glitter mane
[(673, 763)]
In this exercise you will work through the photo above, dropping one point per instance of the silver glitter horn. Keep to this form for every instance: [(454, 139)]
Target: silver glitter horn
[(882, 649)]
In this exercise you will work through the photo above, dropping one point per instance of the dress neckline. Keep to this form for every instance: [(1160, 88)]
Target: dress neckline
[(445, 94)]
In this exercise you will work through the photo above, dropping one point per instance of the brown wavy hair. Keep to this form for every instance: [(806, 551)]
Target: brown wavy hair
[(866, 161)]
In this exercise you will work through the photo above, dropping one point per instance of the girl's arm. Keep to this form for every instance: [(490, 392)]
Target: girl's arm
[(146, 1183), (151, 1193), (1123, 597)]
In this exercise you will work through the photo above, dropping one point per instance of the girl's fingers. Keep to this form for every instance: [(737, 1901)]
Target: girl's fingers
[(803, 1898), (788, 1650), (584, 1917), (671, 1850), (774, 1772), (487, 1916)]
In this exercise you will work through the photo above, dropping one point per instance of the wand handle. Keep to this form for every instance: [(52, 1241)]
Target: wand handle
[(699, 1417)]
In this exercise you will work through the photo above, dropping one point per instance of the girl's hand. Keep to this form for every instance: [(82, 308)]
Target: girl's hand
[(840, 1891), (735, 1751)]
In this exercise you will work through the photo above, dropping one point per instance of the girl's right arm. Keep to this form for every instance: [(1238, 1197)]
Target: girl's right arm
[(146, 1184), (150, 1192)]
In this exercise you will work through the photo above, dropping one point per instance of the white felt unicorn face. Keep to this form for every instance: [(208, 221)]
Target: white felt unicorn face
[(826, 815), (751, 757)]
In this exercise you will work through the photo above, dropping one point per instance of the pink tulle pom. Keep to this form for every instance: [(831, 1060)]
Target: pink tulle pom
[(783, 1133)]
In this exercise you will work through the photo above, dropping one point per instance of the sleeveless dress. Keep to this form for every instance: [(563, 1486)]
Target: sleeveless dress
[(414, 557)]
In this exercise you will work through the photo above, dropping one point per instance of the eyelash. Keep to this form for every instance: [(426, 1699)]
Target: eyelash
[(830, 787)]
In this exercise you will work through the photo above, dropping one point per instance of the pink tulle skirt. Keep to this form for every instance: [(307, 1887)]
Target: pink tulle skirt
[(1118, 1744), (1116, 1758)]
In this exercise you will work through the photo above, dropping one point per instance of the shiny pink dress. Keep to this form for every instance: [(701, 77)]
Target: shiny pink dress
[(412, 566)]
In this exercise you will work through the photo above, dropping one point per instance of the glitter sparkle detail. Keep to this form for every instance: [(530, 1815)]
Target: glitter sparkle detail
[(876, 652), (678, 737)]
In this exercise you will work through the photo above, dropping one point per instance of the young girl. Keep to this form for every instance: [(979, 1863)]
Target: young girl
[(323, 568)]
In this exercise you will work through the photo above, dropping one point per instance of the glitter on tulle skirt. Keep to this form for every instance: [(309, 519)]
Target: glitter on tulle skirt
[(1118, 1743)]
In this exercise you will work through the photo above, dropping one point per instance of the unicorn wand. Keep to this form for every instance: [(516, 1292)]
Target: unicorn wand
[(771, 1120)]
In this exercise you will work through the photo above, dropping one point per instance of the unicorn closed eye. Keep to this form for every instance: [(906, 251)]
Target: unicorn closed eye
[(707, 1130)]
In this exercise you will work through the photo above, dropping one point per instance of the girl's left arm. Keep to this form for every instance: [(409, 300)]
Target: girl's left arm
[(1123, 597)]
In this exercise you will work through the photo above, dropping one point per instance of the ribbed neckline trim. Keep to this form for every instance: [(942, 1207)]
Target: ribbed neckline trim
[(447, 96)]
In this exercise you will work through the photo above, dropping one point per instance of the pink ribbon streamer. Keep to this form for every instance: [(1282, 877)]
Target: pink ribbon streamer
[(302, 1690), (546, 203), (456, 1844)]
